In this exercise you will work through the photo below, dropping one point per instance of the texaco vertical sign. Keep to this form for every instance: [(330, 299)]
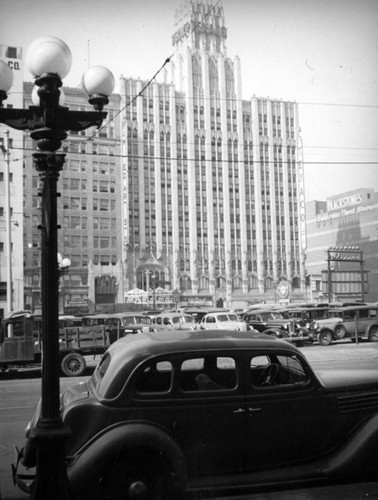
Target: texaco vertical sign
[(301, 197)]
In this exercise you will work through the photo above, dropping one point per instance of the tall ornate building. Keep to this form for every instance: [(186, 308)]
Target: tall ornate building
[(213, 184)]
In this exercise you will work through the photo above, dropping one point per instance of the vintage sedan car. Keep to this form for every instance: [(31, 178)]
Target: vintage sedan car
[(350, 322), (273, 322), (183, 411), (222, 320), (118, 325), (174, 321)]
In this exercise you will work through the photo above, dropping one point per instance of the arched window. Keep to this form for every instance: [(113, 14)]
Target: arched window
[(295, 283), (197, 73), (230, 88), (213, 74)]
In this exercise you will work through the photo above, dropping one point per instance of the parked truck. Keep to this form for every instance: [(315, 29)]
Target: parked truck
[(21, 343)]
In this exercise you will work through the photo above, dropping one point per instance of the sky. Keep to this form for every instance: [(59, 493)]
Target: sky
[(323, 54)]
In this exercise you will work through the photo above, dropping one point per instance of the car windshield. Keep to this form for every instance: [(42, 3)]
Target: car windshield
[(188, 319), (135, 320)]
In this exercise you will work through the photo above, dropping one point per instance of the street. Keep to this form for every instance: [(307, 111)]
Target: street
[(19, 396)]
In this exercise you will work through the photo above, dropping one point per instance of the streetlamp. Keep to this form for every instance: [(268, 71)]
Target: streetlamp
[(49, 60), (64, 265)]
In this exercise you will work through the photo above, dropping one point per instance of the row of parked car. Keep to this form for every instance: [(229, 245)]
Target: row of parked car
[(300, 325), (322, 323)]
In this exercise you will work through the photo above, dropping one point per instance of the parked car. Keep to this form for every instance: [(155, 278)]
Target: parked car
[(347, 322), (222, 321), (273, 322), (199, 312), (174, 321), (118, 325), (172, 411)]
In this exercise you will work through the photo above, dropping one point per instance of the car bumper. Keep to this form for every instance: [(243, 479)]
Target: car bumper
[(21, 476)]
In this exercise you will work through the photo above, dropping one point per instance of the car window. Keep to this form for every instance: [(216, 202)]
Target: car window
[(233, 317), (188, 319), (222, 317), (277, 371), (128, 321), (155, 377), (277, 316), (208, 373), (372, 313), (210, 319), (363, 313), (348, 315)]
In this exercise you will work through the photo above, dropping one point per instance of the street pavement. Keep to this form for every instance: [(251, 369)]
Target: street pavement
[(340, 353)]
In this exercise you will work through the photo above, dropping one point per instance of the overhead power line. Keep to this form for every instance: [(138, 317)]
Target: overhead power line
[(243, 161)]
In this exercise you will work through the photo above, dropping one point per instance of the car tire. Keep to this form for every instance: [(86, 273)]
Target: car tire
[(73, 365), (325, 337), (373, 333), (140, 477), (339, 332)]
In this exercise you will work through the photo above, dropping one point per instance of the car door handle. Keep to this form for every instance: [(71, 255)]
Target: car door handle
[(239, 410), (252, 410)]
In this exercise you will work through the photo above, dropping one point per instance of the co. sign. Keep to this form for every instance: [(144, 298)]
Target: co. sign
[(14, 65)]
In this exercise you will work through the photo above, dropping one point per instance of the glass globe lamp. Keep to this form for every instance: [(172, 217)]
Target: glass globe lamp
[(48, 55)]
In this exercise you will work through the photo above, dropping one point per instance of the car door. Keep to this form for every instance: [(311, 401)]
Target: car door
[(208, 413), (286, 419)]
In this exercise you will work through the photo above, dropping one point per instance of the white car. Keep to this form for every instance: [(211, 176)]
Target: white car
[(222, 321)]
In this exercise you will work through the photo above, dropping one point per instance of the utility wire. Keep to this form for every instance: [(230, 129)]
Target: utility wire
[(236, 99), (142, 143), (242, 161)]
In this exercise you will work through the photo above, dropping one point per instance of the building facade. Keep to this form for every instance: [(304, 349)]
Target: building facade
[(88, 213), (186, 189), (12, 215), (346, 221), (213, 184)]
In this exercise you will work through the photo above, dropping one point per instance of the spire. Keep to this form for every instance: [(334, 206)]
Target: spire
[(199, 24)]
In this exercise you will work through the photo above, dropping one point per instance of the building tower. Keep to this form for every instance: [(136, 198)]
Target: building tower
[(212, 183)]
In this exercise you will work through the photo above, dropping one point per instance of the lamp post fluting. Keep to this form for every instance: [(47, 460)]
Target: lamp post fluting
[(49, 60)]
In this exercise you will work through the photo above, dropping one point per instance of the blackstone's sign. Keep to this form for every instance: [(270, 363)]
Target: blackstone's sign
[(345, 206), (351, 200)]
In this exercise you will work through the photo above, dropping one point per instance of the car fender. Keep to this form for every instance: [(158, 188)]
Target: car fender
[(90, 462), (277, 332), (358, 456)]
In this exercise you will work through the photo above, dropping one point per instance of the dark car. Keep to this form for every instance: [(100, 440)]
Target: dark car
[(183, 411), (350, 322), (273, 322), (118, 325)]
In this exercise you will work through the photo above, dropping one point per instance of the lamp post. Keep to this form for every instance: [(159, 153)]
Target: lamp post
[(64, 265), (49, 60)]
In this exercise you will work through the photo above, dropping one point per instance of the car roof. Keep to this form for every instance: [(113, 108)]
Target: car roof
[(261, 311), (172, 314), (169, 341), (353, 308), (220, 313), (95, 316), (125, 314)]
